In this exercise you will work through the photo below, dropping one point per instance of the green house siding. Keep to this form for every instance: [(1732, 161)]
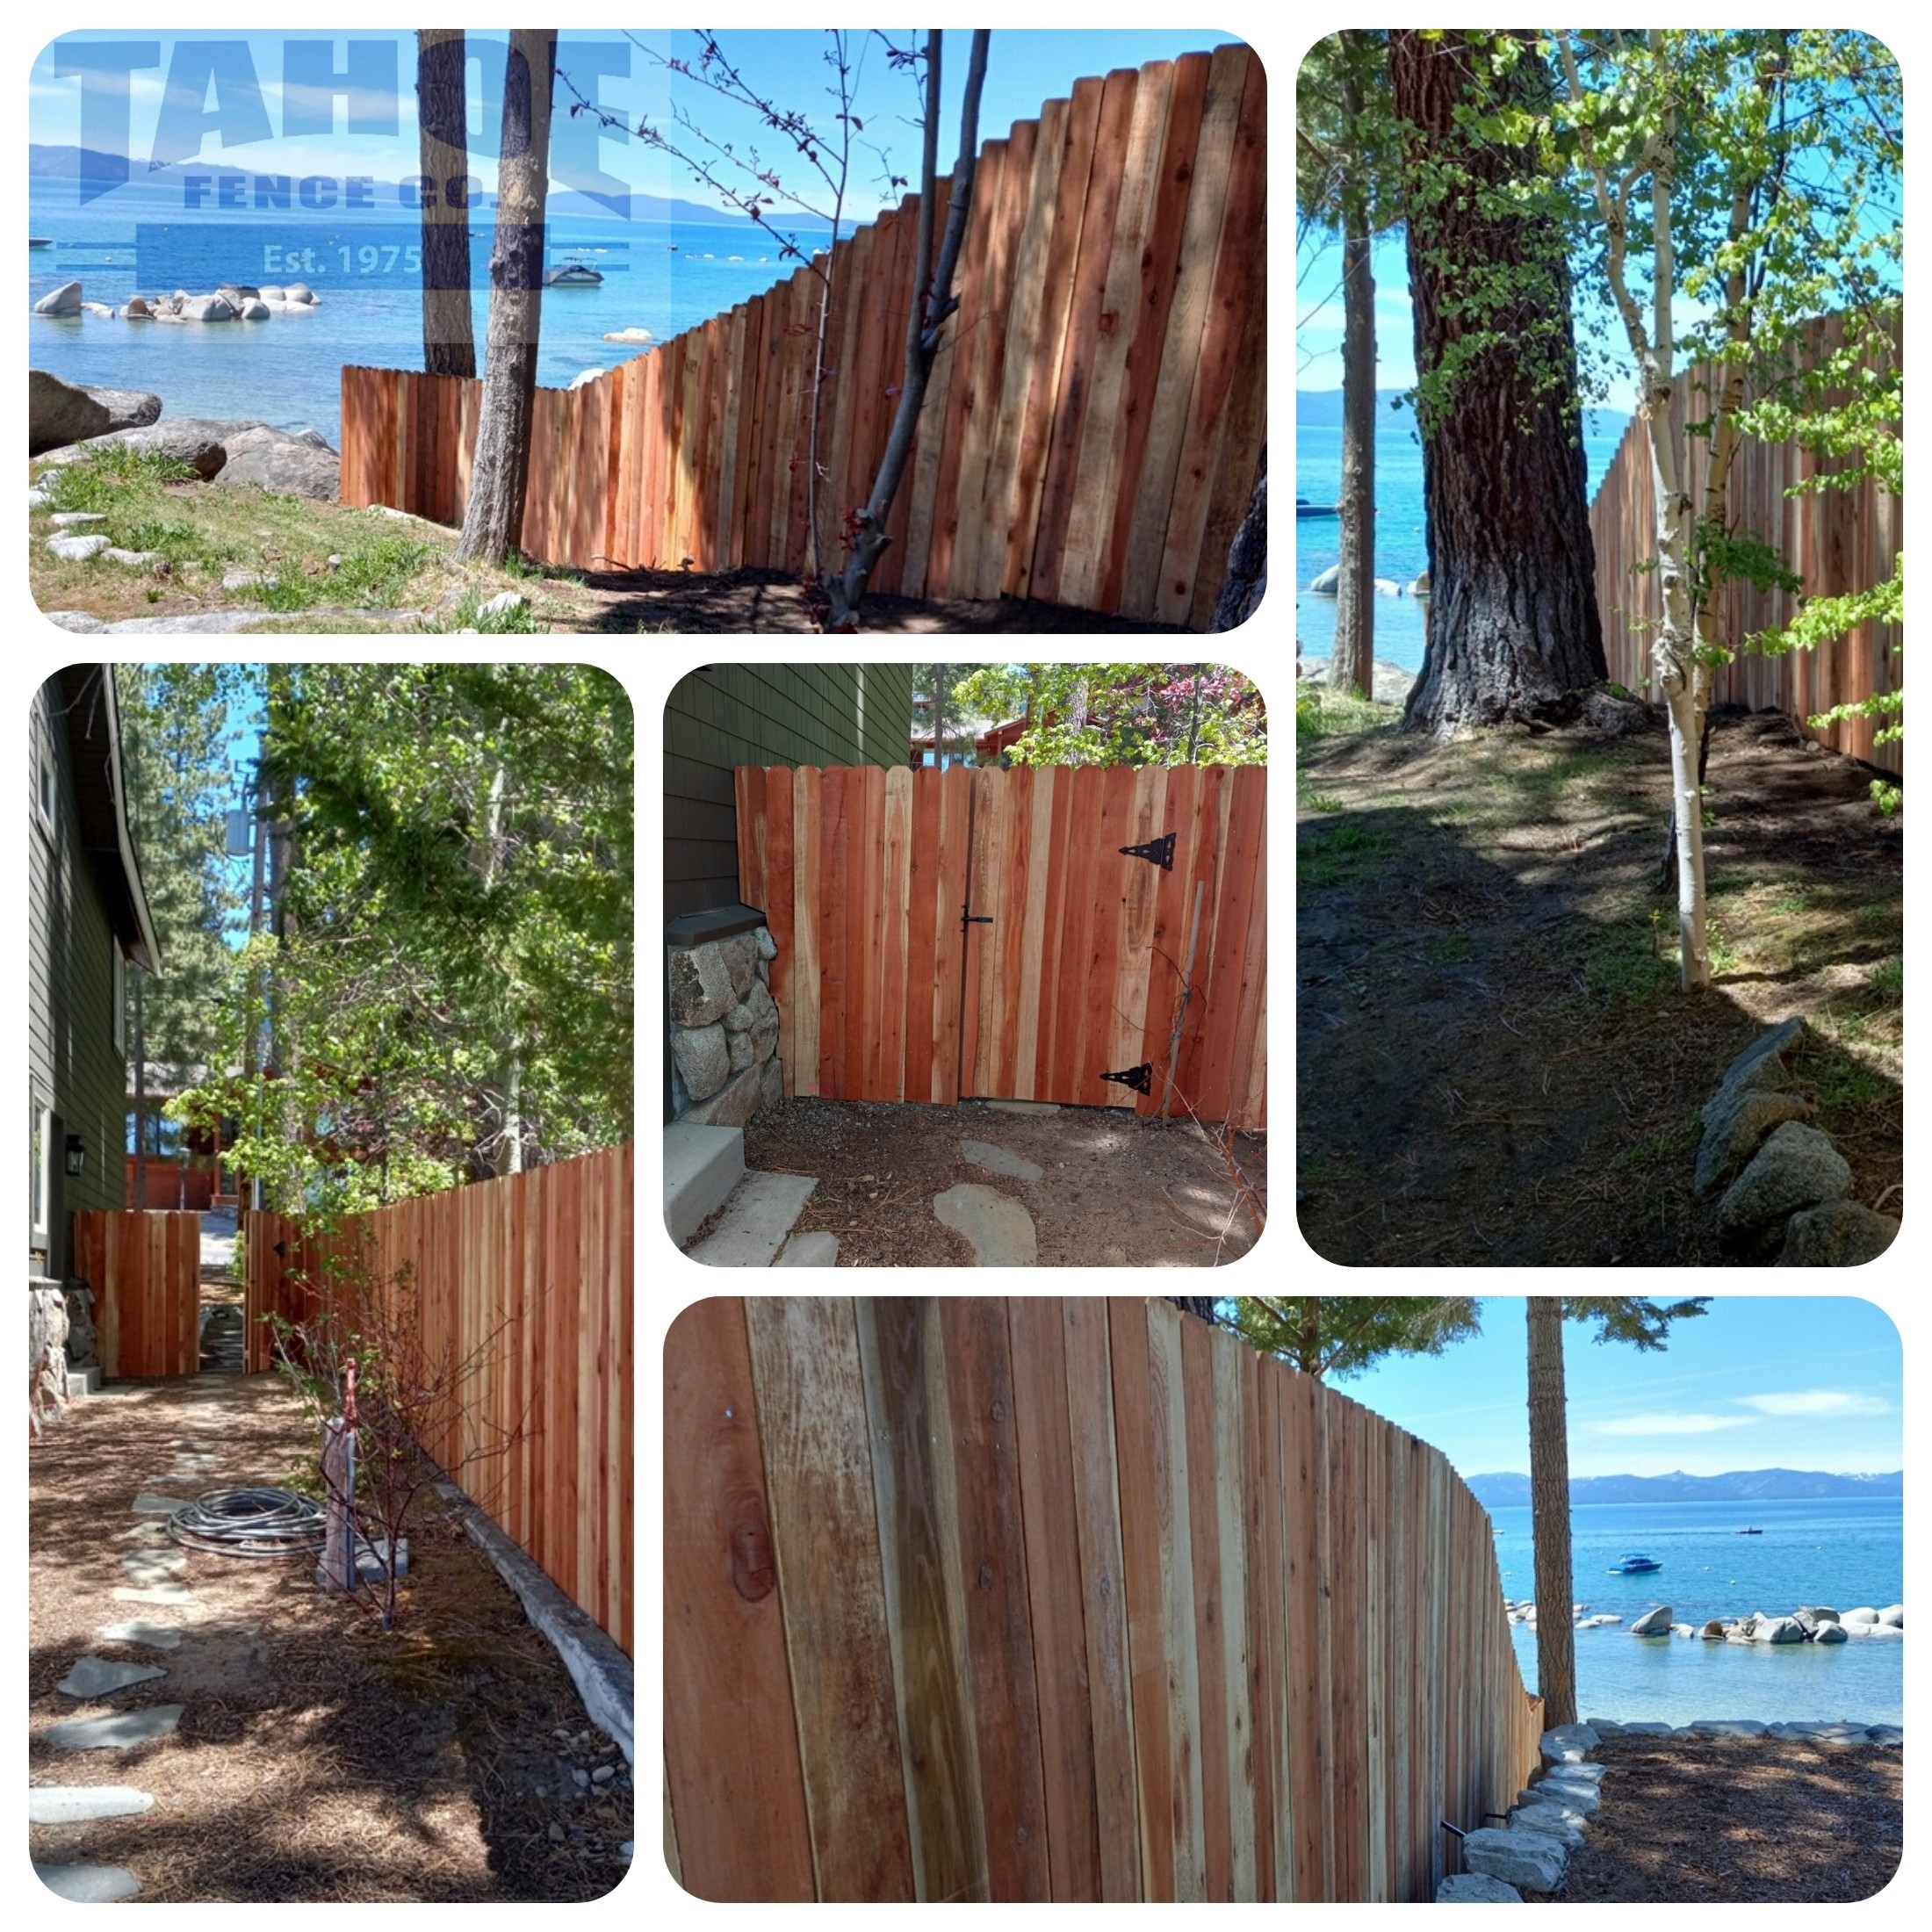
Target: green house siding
[(74, 1064), (727, 715)]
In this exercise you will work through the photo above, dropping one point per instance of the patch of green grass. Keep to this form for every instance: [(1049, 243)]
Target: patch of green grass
[(1321, 713), (1326, 857), (1623, 967), (1887, 979), (467, 615), (105, 479), (1451, 949), (1652, 1147), (1320, 801)]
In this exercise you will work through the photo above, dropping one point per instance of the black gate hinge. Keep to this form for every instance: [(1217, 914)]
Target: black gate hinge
[(968, 917), (1141, 1079), (1160, 850)]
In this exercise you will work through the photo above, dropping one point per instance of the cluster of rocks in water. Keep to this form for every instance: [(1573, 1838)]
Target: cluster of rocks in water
[(1551, 1815), (725, 1064), (1780, 1185), (1809, 1623), (232, 302)]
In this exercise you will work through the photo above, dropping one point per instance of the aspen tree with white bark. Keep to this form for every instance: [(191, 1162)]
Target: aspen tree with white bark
[(1747, 173)]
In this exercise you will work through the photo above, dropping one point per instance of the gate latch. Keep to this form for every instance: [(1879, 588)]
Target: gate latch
[(1160, 850), (1141, 1079)]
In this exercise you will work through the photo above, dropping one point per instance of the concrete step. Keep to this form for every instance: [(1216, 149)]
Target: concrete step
[(702, 1164), (83, 1382), (760, 1213), (812, 1250)]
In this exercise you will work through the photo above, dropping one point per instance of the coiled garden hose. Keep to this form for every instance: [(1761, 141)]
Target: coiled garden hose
[(249, 1522)]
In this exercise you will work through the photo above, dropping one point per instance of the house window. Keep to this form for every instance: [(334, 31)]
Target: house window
[(40, 1169), (120, 1002), (44, 785)]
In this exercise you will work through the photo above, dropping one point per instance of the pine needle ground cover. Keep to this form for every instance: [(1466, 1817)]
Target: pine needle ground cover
[(317, 1756), (1495, 1064)]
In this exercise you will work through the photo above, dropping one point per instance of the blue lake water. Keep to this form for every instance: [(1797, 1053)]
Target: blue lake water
[(1842, 1552), (1401, 550), (660, 276)]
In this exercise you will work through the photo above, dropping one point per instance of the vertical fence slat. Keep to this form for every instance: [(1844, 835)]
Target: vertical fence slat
[(825, 1546), (743, 1828)]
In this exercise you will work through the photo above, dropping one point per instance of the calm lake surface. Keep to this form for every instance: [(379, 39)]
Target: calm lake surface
[(1402, 550), (660, 276), (1843, 1551)]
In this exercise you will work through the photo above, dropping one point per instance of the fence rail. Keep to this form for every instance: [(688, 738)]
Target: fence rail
[(145, 1269), (532, 1278), (1079, 1599), (862, 873), (1096, 415), (1836, 541)]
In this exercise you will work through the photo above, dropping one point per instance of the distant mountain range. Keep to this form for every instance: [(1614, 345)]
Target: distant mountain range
[(1504, 1489), (1322, 409)]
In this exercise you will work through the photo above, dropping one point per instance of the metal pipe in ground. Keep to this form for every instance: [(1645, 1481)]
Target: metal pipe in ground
[(1186, 993)]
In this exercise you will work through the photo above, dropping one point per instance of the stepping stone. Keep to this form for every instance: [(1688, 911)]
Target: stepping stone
[(996, 1160), (95, 1676), (154, 1565), (75, 1804), (149, 1505), (155, 1636), (999, 1229), (88, 1885), (158, 1593), (118, 1732), (149, 1530)]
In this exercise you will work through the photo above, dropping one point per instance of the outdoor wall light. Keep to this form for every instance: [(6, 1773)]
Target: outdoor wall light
[(77, 1156)]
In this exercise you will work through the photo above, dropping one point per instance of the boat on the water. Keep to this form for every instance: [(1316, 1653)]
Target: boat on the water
[(1635, 1566), (572, 275), (1750, 1533), (39, 241), (1303, 507)]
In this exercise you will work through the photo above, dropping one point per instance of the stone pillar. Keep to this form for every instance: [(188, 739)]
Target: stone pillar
[(47, 1352), (725, 1065)]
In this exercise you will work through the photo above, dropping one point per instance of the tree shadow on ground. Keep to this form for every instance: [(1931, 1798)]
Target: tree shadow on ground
[(1495, 1065)]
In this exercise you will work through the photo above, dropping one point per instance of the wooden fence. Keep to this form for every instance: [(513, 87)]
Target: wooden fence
[(1079, 1599), (862, 873), (1836, 540), (145, 1270), (530, 1278), (1097, 412)]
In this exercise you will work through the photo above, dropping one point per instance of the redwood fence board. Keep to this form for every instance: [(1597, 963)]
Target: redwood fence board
[(1080, 972), (529, 1281), (1038, 1598), (1837, 541), (144, 1266), (1095, 418)]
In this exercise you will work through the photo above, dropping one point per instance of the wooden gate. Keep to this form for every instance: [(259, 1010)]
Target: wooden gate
[(145, 1270), (988, 933)]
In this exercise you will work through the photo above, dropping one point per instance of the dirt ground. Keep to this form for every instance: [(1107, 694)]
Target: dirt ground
[(1497, 1065), (1738, 1821), (742, 601), (1115, 1191), (318, 1757)]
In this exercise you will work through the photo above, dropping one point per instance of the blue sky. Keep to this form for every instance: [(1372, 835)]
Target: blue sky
[(1025, 67), (1756, 1382)]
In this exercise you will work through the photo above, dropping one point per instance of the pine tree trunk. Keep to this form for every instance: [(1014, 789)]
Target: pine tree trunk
[(1246, 583), (1550, 1512), (449, 337), (1513, 621), (1353, 665), (493, 519)]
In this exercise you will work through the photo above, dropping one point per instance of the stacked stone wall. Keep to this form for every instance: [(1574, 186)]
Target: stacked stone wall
[(725, 1064)]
